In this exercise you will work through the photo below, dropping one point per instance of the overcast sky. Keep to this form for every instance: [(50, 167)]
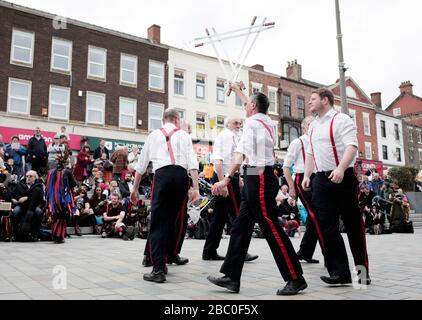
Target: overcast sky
[(382, 39)]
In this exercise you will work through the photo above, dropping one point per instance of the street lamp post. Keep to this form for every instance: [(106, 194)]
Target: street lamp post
[(341, 65)]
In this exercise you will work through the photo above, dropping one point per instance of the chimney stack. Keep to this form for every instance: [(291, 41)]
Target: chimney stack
[(154, 33), (376, 99), (259, 67), (294, 71), (406, 87)]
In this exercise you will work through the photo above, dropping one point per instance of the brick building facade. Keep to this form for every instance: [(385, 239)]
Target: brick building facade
[(97, 82)]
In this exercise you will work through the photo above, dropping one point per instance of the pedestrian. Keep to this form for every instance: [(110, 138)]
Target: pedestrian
[(171, 152), (224, 147), (101, 149), (37, 152), (296, 155), (332, 152), (258, 203)]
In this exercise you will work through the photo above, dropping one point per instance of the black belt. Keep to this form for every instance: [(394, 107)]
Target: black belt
[(328, 173)]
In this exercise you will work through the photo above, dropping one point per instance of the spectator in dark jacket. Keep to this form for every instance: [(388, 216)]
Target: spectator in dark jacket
[(16, 151), (37, 152), (27, 199), (376, 184), (100, 150)]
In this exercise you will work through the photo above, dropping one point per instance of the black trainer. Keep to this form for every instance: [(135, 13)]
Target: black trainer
[(337, 279), (215, 257), (251, 257), (293, 287), (155, 276), (180, 261), (308, 260), (225, 282), (146, 262)]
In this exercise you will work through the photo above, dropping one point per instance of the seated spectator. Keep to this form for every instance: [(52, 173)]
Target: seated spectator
[(126, 186), (113, 189), (404, 202), (16, 151), (11, 168), (113, 220), (365, 200), (283, 194), (84, 215), (98, 203), (292, 225), (376, 184), (27, 200), (364, 182), (375, 220), (5, 196)]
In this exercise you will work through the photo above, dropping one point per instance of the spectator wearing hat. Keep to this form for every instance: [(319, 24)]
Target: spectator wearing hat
[(54, 150), (16, 151), (83, 160)]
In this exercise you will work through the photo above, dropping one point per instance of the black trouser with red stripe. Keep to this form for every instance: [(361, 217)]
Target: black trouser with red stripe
[(168, 214), (332, 201), (258, 204), (313, 231), (223, 206)]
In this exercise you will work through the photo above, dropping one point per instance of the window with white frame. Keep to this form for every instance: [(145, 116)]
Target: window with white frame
[(256, 87), (200, 86), (95, 107), (385, 152), (301, 107), (420, 156), (396, 131), (61, 55), (419, 136), (352, 114), (59, 103), (411, 154), (272, 98), (275, 131), (127, 113), (19, 96), (200, 125), (182, 113), (220, 91), (397, 112), (128, 70), (368, 150), (383, 129), (287, 104), (179, 82), (155, 116), (22, 50), (220, 124), (398, 154), (97, 63), (366, 124), (156, 75), (410, 132)]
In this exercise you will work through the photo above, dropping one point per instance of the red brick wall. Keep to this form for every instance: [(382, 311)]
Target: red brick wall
[(407, 104), (42, 78)]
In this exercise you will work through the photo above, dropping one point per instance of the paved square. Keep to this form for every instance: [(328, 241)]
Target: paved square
[(111, 269)]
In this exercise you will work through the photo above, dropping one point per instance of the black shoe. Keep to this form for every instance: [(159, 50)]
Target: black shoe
[(128, 233), (155, 276), (308, 260), (215, 257), (146, 262), (78, 231), (337, 279), (225, 282), (251, 257), (293, 287), (178, 260)]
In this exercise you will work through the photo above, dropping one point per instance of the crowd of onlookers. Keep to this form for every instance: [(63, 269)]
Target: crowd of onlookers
[(105, 181)]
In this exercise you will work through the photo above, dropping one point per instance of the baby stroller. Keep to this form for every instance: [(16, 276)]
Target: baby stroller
[(198, 215)]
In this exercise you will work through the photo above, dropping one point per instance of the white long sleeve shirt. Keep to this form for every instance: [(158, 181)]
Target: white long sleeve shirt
[(320, 146), (295, 154), (156, 150)]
